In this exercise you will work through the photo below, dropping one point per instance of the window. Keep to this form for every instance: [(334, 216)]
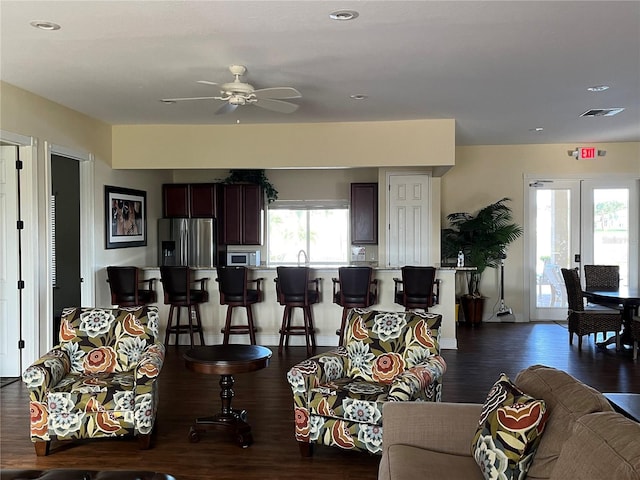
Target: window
[(321, 229)]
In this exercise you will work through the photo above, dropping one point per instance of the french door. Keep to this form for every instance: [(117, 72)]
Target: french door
[(574, 222)]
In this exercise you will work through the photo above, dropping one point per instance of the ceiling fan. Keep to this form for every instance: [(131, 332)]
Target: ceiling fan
[(238, 93)]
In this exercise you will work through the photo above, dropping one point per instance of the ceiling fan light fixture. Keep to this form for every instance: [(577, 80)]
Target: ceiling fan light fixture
[(598, 88), (43, 25), (343, 15)]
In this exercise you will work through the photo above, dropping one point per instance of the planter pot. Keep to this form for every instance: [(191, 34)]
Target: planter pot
[(472, 308)]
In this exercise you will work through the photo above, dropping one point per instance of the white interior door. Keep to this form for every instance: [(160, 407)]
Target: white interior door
[(408, 232), (573, 223), (9, 271)]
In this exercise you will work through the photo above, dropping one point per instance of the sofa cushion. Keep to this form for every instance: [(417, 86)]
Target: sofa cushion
[(567, 400), (407, 463), (509, 431), (351, 399), (603, 445)]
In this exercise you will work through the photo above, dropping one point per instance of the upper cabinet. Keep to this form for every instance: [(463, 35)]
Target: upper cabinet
[(189, 200), (364, 213), (242, 217), (203, 200), (175, 200)]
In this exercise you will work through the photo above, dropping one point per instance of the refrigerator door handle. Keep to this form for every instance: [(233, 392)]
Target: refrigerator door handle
[(184, 237)]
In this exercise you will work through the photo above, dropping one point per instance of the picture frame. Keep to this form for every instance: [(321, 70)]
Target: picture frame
[(125, 217)]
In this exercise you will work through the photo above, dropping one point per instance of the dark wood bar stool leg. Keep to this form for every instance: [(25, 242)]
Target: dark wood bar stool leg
[(307, 330), (283, 329), (345, 312), (252, 331), (167, 331), (312, 328), (199, 322), (227, 325), (190, 313)]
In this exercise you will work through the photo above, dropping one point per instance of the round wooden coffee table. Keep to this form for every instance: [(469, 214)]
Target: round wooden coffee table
[(226, 360)]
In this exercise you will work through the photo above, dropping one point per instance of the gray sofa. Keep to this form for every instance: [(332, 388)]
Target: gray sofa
[(583, 438)]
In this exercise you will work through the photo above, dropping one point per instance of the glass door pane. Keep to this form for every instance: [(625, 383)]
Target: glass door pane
[(554, 213), (610, 226)]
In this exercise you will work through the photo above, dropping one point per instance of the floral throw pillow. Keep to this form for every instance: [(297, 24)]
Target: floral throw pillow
[(509, 431)]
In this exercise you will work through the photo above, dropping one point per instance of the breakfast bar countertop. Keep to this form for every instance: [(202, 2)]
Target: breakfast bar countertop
[(326, 314)]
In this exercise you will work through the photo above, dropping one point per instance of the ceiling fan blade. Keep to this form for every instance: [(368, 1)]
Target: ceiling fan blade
[(276, 105), (226, 108), (277, 92), (188, 98), (206, 82)]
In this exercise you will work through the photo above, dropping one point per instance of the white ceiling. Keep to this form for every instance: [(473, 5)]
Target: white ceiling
[(498, 68)]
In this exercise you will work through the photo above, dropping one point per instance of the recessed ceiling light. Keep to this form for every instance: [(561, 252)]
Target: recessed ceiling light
[(343, 15), (536, 129), (598, 88), (359, 96), (42, 25)]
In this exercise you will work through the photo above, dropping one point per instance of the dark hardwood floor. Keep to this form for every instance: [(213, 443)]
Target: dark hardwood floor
[(484, 352)]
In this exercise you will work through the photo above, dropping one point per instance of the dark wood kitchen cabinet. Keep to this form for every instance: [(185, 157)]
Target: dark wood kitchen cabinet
[(364, 213), (242, 217), (175, 200), (189, 200), (203, 200)]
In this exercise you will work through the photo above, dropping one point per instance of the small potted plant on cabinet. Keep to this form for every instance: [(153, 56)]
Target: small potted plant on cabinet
[(483, 239)]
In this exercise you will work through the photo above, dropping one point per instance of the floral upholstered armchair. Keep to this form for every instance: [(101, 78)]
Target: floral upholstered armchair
[(386, 357), (100, 380)]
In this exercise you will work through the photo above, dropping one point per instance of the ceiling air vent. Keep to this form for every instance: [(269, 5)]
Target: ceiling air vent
[(602, 112)]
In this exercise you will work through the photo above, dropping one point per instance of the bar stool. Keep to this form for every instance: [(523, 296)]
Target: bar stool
[(292, 288), (125, 282), (417, 288), (354, 288), (178, 292), (233, 283)]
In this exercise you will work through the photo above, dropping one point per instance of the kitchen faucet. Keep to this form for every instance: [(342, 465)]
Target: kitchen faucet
[(306, 258)]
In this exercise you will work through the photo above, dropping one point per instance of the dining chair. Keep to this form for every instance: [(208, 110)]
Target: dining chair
[(586, 319), (601, 277)]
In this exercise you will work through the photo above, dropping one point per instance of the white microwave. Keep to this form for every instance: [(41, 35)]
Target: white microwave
[(243, 259)]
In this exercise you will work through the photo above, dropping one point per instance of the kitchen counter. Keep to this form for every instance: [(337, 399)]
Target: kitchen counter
[(326, 314)]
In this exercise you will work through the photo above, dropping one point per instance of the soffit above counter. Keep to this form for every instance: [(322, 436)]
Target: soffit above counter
[(419, 143)]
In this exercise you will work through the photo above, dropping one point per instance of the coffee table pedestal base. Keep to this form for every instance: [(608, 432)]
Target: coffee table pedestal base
[(230, 419), (235, 424)]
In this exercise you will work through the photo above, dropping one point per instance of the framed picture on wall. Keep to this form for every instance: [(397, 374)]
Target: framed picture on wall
[(125, 217)]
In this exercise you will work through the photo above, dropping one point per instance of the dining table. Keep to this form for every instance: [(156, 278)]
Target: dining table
[(629, 300)]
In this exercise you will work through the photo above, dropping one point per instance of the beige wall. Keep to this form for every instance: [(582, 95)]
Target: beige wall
[(362, 144), (26, 114), (484, 174)]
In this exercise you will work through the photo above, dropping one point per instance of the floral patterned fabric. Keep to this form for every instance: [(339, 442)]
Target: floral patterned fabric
[(100, 380), (387, 356), (509, 431)]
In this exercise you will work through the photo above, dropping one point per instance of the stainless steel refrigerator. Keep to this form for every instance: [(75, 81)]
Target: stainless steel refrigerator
[(187, 241)]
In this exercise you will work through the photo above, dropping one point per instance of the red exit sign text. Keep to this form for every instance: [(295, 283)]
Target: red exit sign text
[(585, 153)]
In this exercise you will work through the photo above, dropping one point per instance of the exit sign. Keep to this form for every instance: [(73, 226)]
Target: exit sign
[(585, 153)]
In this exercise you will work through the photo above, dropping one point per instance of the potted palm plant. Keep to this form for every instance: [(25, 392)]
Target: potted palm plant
[(482, 238)]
